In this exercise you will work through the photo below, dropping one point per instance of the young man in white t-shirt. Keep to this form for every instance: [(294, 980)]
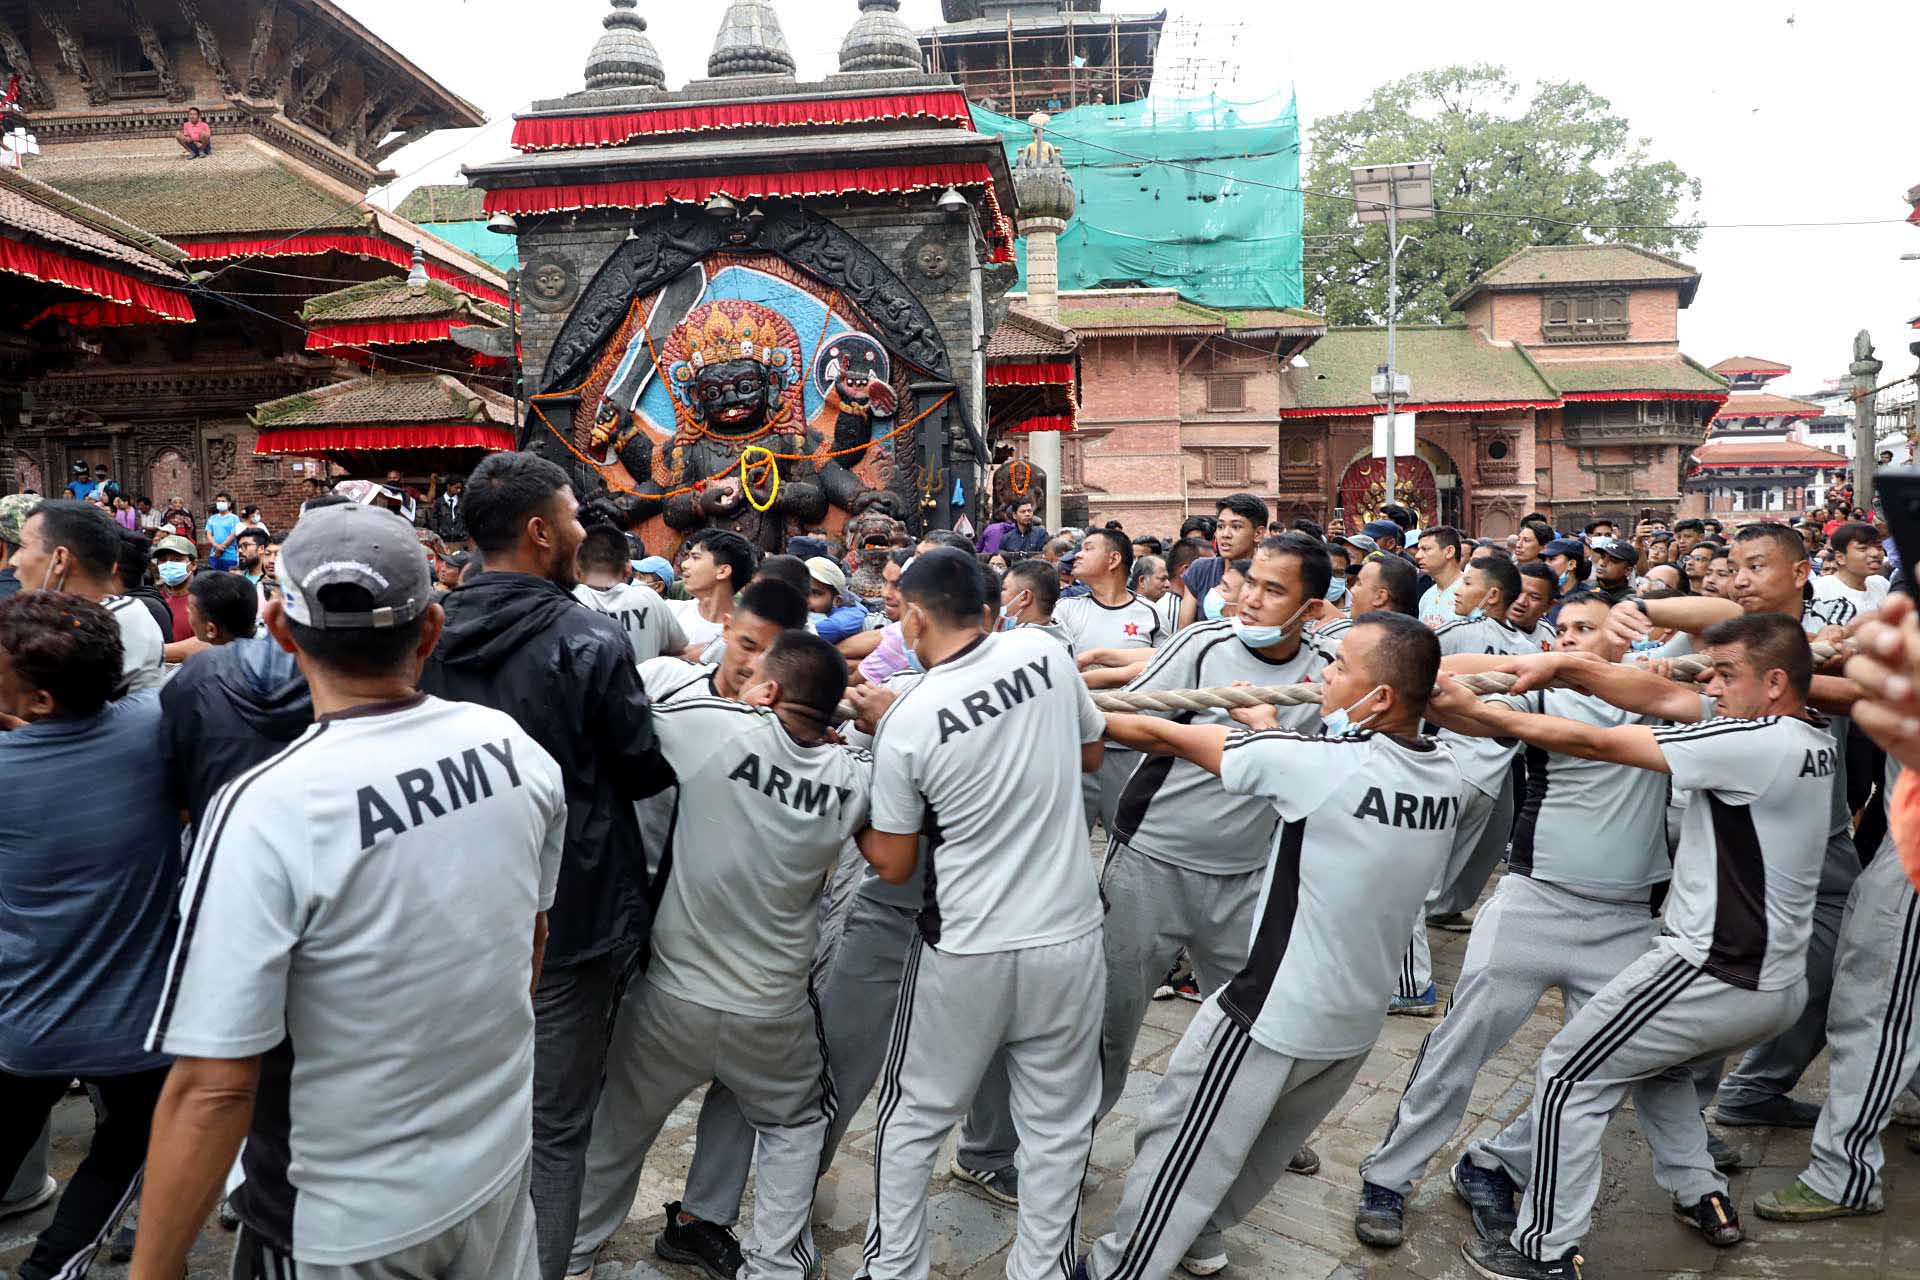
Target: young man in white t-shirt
[(606, 586), (72, 547), (714, 564), (1854, 577), (327, 999), (1009, 952)]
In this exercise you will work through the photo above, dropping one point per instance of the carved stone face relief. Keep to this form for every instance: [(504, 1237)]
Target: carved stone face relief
[(929, 257), (550, 284)]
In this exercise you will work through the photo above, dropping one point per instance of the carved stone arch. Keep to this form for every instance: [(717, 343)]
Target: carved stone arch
[(666, 241), (168, 471)]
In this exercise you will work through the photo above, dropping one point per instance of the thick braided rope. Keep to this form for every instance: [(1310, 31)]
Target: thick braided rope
[(1685, 668)]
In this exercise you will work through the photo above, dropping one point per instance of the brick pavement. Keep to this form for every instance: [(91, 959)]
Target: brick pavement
[(1302, 1230)]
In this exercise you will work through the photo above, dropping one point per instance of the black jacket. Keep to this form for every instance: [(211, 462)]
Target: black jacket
[(524, 646), (449, 520), (226, 710)]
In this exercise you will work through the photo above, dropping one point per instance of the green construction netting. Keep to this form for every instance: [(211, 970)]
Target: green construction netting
[(1147, 218)]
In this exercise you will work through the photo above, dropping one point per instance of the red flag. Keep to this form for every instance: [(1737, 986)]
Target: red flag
[(12, 95)]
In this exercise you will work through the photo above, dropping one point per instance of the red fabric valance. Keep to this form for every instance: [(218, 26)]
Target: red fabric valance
[(1028, 375), (395, 332), (134, 296), (317, 440), (1058, 422), (314, 244), (1469, 406), (1705, 397), (873, 180), (544, 133)]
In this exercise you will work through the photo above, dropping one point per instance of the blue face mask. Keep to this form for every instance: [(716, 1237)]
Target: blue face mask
[(1339, 723), (1212, 605), (1476, 615), (1255, 637), (173, 573), (1337, 590)]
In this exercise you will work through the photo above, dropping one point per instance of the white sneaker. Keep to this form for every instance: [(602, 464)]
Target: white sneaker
[(1213, 1264), (1906, 1109), (27, 1204)]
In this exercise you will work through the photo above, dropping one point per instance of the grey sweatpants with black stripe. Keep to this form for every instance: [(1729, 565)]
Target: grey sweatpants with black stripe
[(955, 1013), (1873, 1025), (1216, 1137), (494, 1242), (663, 1049), (1533, 937), (1662, 1012), (1482, 817)]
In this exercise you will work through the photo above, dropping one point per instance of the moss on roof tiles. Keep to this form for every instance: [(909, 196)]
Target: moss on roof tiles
[(1177, 314), (444, 202), (235, 191), (384, 399), (1580, 263), (1675, 374), (392, 299), (1282, 318), (1447, 364)]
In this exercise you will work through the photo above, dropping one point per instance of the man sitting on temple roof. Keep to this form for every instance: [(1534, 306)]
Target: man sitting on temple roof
[(195, 136)]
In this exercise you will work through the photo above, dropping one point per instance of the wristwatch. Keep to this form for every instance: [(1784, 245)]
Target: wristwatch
[(1641, 605)]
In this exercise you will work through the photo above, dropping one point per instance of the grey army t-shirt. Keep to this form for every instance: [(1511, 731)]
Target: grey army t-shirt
[(1175, 811), (761, 820), (983, 755), (359, 913)]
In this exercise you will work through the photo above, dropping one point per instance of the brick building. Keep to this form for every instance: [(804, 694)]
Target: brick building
[(1563, 389), (306, 106)]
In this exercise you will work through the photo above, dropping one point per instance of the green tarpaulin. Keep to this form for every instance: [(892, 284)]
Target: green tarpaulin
[(1227, 236)]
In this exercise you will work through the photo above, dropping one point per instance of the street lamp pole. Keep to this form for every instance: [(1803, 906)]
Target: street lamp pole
[(1389, 193)]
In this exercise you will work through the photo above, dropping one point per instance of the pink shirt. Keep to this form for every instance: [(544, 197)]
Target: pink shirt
[(196, 130)]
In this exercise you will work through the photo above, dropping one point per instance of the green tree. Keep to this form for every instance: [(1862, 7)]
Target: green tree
[(1561, 155)]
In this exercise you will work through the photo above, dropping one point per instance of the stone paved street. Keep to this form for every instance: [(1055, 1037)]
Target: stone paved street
[(1303, 1229)]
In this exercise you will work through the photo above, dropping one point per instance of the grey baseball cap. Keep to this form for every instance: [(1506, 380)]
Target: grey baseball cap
[(351, 545)]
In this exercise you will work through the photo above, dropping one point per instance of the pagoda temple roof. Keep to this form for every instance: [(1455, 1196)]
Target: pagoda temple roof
[(435, 104), (1023, 336), (1582, 264), (1777, 453), (245, 200), (386, 399), (443, 202), (1749, 364), (123, 274), (393, 298), (46, 213), (1762, 404), (1449, 365), (1586, 378)]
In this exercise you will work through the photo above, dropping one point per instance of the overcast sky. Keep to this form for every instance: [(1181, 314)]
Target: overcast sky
[(1786, 112)]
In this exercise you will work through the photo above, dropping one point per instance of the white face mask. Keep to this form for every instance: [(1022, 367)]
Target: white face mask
[(219, 506), (1340, 722)]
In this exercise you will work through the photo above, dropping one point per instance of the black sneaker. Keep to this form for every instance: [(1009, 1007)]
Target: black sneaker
[(999, 1185), (1499, 1260), (1715, 1218), (1489, 1196), (1382, 1219), (1187, 988), (1776, 1112), (1725, 1158), (706, 1245), (1305, 1162)]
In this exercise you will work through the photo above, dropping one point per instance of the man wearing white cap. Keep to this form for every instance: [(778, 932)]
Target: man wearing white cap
[(832, 614), (399, 1142)]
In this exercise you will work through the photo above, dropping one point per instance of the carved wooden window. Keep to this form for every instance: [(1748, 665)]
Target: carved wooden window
[(1585, 317), (128, 72), (1226, 468), (1299, 452), (1073, 462), (1226, 392)]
